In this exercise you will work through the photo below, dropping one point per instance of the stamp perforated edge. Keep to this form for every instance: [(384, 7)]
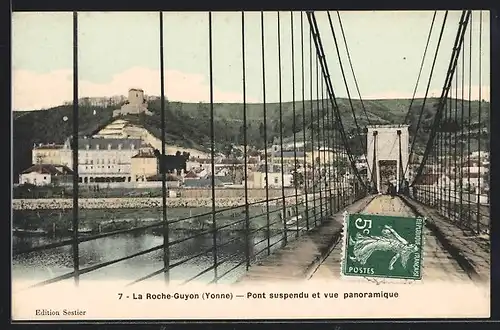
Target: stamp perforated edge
[(379, 280)]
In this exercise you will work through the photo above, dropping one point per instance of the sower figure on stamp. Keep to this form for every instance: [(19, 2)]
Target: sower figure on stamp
[(365, 246)]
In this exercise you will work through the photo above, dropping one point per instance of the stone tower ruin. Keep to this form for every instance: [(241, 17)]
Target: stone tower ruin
[(135, 104)]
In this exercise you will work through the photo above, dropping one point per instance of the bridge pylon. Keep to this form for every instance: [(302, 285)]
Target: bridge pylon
[(387, 144)]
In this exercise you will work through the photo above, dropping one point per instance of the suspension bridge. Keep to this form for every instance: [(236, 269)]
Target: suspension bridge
[(434, 160)]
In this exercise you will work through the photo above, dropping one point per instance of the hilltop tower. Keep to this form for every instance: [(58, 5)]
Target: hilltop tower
[(135, 104)]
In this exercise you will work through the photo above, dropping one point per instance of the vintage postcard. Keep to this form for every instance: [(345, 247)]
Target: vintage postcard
[(250, 165)]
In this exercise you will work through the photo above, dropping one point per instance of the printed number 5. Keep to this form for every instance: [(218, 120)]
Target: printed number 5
[(363, 224)]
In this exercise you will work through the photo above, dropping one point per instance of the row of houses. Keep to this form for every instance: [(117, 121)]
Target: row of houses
[(113, 159), (133, 160), (473, 178), (117, 160)]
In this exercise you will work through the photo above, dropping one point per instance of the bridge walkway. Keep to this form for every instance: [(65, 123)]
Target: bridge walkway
[(299, 257), (449, 255)]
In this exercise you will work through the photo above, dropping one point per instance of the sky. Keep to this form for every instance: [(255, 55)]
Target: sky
[(120, 50)]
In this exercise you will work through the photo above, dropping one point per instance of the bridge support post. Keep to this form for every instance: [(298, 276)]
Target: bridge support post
[(375, 173), (378, 175), (397, 175), (398, 162)]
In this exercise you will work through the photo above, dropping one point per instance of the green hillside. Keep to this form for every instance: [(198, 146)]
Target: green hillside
[(188, 124)]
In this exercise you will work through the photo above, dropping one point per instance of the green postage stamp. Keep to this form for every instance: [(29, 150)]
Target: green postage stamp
[(380, 246)]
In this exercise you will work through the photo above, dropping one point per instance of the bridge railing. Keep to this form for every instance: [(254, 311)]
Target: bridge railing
[(234, 239), (469, 211), (453, 176)]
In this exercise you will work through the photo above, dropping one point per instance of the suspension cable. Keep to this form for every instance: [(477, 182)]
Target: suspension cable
[(479, 120), (352, 68), (264, 110), (311, 104), (295, 181), (464, 19), (320, 53), (245, 139), (316, 68), (74, 153), (305, 176), (421, 68), (363, 146), (212, 138), (280, 84), (426, 94)]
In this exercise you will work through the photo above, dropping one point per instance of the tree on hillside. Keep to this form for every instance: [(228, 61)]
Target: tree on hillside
[(261, 141), (277, 128), (261, 130), (228, 150), (298, 179)]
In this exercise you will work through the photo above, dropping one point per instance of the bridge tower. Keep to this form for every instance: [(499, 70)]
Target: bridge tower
[(387, 143)]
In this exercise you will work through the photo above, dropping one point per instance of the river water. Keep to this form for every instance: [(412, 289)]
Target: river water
[(43, 265)]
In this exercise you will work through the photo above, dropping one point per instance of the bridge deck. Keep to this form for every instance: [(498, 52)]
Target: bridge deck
[(317, 254), (304, 254)]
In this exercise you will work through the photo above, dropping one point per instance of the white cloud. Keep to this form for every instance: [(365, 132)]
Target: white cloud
[(37, 91), (33, 90)]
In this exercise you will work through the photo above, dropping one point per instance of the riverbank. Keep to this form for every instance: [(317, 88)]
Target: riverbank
[(140, 202), (59, 222)]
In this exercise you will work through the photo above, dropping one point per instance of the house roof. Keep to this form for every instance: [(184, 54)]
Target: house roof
[(253, 153), (104, 144), (64, 169), (470, 163), (230, 161), (222, 179), (48, 169), (158, 177), (428, 179), (473, 175), (202, 183), (48, 146), (289, 154), (144, 154), (262, 168), (200, 160), (190, 174)]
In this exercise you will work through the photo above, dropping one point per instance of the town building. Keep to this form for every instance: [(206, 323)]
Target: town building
[(288, 157), (434, 181), (257, 179), (472, 166), (223, 180), (46, 153), (143, 165), (192, 175), (103, 160), (46, 174), (473, 180), (171, 180)]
